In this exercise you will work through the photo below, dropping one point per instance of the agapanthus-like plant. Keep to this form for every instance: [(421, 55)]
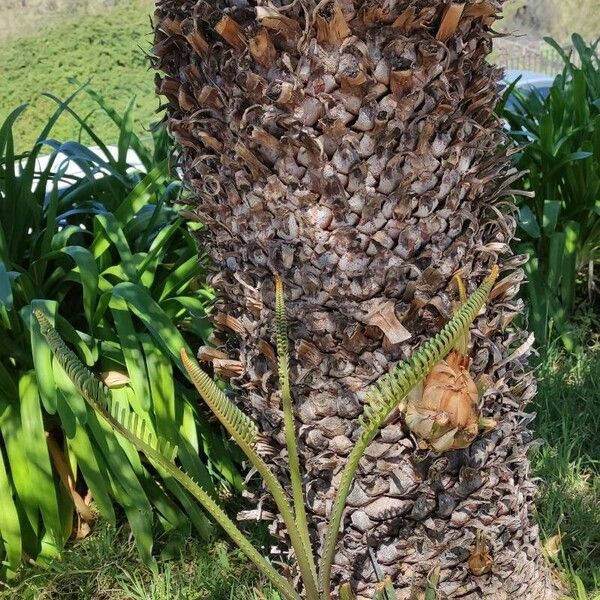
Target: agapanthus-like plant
[(387, 395)]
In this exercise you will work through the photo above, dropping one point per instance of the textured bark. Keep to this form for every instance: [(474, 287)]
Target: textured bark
[(352, 147)]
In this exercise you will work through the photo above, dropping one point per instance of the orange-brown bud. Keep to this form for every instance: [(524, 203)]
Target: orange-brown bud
[(480, 562), (446, 415)]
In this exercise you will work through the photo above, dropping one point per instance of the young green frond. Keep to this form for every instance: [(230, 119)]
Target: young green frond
[(133, 430), (283, 356), (137, 427), (345, 592), (92, 389), (96, 394), (283, 366), (245, 433), (232, 418), (433, 581), (462, 344), (391, 389), (387, 395), (384, 590)]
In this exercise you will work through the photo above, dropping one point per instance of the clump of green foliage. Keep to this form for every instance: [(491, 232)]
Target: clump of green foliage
[(560, 221), (104, 253), (106, 48)]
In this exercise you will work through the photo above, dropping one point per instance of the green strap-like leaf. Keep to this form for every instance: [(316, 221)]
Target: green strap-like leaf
[(170, 409), (93, 468), (40, 468), (161, 328), (132, 351), (15, 447), (10, 529), (88, 275), (6, 296)]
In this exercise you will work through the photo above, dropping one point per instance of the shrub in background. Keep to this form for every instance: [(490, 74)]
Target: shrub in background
[(107, 257), (560, 225)]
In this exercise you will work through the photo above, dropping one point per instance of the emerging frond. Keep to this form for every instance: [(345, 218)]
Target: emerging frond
[(388, 394), (462, 344), (345, 592), (137, 427), (283, 366), (433, 581), (384, 590), (96, 394), (239, 426), (91, 388), (245, 433), (133, 430), (392, 388), (283, 351)]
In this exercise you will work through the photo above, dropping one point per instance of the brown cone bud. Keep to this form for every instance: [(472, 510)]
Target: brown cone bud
[(446, 415)]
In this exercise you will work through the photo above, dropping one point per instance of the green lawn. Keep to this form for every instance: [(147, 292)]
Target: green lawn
[(568, 463), (105, 566), (105, 49)]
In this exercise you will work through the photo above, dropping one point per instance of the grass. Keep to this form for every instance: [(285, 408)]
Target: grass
[(24, 17), (106, 49), (106, 566), (568, 419)]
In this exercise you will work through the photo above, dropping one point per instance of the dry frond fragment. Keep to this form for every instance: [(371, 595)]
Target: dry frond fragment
[(330, 22), (262, 48), (194, 37), (277, 22), (114, 379), (383, 316), (231, 32), (450, 21), (229, 322)]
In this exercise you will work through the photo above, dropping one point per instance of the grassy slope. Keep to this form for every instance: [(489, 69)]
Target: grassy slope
[(556, 18), (104, 49), (26, 17)]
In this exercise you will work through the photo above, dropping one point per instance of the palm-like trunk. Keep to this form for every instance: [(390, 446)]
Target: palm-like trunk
[(352, 147)]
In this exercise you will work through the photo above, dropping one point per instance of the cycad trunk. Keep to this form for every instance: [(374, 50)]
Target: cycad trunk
[(352, 147)]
